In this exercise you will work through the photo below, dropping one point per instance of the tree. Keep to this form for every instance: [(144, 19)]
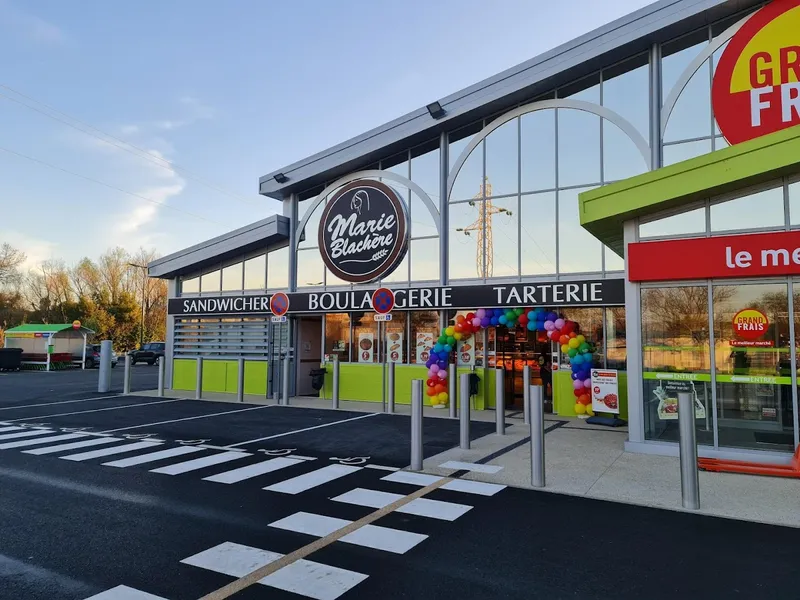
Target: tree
[(10, 261)]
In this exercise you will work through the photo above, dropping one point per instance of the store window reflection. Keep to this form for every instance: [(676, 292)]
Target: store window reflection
[(753, 361), (190, 286), (503, 246), (794, 203), (578, 250), (759, 210), (424, 331), (616, 342), (232, 278), (538, 150), (675, 359), (687, 223), (278, 269), (675, 153), (538, 233), (395, 335), (424, 256), (365, 338), (337, 336), (465, 255), (469, 178), (626, 91), (210, 282), (502, 150), (310, 268), (578, 148)]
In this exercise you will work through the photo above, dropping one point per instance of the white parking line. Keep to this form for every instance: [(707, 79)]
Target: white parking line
[(272, 437), (83, 412), (40, 441), (230, 412), (312, 479), (123, 592), (62, 402)]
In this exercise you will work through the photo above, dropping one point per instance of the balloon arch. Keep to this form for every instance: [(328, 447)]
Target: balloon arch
[(554, 327)]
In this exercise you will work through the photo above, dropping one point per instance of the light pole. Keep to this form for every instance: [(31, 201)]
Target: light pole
[(144, 276)]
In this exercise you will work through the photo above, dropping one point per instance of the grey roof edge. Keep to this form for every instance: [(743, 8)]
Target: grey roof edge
[(642, 25), (270, 231)]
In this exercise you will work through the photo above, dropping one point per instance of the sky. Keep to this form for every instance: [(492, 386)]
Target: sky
[(148, 123)]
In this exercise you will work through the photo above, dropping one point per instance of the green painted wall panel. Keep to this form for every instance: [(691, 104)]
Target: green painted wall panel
[(255, 377), (231, 376), (214, 375), (184, 374), (564, 398)]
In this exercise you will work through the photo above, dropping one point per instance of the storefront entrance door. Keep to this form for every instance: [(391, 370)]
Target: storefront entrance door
[(515, 349)]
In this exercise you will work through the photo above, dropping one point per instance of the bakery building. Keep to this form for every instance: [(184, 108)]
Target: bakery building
[(624, 204)]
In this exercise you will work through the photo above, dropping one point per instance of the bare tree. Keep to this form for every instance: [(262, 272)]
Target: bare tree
[(10, 261)]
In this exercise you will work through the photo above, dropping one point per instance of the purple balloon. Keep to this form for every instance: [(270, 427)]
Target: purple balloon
[(476, 322), (587, 383), (552, 316), (442, 364), (577, 384), (559, 323), (549, 325), (442, 373), (485, 321), (481, 313), (434, 369)]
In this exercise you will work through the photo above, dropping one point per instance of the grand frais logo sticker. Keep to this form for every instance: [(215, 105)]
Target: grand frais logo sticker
[(363, 233), (756, 87), (750, 324)]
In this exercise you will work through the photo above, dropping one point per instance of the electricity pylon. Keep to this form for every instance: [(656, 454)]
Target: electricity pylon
[(484, 259)]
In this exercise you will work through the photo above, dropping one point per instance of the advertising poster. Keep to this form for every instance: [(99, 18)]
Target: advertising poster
[(667, 395), (466, 353), (394, 347), (366, 348), (605, 391), (423, 346)]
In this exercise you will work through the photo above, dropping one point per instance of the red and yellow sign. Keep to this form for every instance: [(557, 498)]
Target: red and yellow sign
[(756, 87), (750, 324)]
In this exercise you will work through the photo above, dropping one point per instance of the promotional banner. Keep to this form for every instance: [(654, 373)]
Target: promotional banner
[(394, 347), (605, 391), (424, 345), (366, 348), (666, 394), (466, 353)]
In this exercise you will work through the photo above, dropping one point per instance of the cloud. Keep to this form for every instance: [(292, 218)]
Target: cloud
[(36, 250), (193, 111), (29, 26)]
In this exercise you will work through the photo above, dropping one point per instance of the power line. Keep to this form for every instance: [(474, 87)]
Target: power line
[(123, 145), (108, 185)]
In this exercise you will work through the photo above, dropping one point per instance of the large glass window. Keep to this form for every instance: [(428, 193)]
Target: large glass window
[(255, 271), (210, 282), (232, 278), (425, 171), (753, 361), (759, 210), (578, 148), (538, 233), (424, 332), (502, 151), (395, 347), (578, 250), (466, 241), (616, 342), (190, 286), (502, 246), (675, 359), (794, 202), (337, 336), (470, 177), (425, 259), (310, 268), (538, 140), (675, 153), (687, 223), (626, 91), (365, 338), (278, 275)]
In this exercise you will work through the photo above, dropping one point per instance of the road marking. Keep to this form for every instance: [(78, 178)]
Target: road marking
[(62, 402), (433, 509), (411, 478), (39, 441), (73, 446), (17, 428), (230, 412), (473, 487), (272, 437), (199, 463), (250, 471), (307, 481), (304, 577), (110, 451), (369, 536), (259, 573), (299, 457), (123, 592), (152, 456), (26, 433), (83, 412), (381, 468), (467, 466)]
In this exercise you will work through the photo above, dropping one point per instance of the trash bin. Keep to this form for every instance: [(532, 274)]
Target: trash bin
[(317, 378), (10, 359)]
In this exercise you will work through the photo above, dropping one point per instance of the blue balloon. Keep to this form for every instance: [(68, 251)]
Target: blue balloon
[(540, 326), (443, 364), (485, 322), (447, 348), (575, 375), (489, 312), (576, 360), (493, 322), (437, 348), (502, 319), (551, 316), (444, 355), (531, 325)]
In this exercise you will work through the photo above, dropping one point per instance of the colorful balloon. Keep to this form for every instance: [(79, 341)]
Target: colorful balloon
[(476, 322), (577, 384), (443, 398), (585, 399), (559, 323), (481, 313), (431, 391), (587, 383), (549, 325), (580, 409), (434, 369), (563, 340), (564, 348), (442, 373), (574, 343), (531, 325)]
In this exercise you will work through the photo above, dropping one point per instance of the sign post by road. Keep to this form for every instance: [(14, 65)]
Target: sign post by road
[(382, 304)]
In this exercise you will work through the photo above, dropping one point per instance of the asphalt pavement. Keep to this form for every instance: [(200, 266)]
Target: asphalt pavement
[(137, 498)]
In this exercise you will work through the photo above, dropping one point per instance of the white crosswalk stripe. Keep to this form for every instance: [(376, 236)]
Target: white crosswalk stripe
[(467, 466), (153, 456), (200, 463), (307, 481), (73, 446), (304, 577), (26, 433), (369, 536), (110, 451), (423, 507), (457, 485), (40, 441), (123, 592), (250, 471), (10, 428)]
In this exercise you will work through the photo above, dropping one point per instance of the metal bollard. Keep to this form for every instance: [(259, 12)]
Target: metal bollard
[(452, 389), (287, 363), (500, 402), (464, 412), (161, 369), (526, 394), (416, 425), (690, 483), (390, 385), (335, 391), (198, 386), (126, 376), (104, 370), (537, 436), (240, 381)]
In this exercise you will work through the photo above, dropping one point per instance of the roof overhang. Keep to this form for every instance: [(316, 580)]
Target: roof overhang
[(272, 231), (616, 41), (604, 210)]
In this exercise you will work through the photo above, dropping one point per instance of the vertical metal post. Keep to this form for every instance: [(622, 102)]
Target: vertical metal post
[(335, 391), (526, 393), (500, 402), (161, 370), (416, 425), (690, 484), (83, 357), (240, 381), (464, 412), (390, 405), (104, 370), (198, 386), (452, 389), (286, 370), (537, 436), (126, 376)]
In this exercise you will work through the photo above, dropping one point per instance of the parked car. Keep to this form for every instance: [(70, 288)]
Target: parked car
[(149, 353), (93, 356)]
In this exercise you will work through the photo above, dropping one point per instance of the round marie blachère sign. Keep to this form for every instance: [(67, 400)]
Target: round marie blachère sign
[(363, 232)]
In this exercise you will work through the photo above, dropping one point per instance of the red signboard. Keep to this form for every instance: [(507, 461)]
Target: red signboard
[(750, 324), (279, 304), (756, 255), (756, 87)]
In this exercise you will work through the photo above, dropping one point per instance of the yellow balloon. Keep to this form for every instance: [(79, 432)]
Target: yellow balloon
[(589, 410), (434, 401), (574, 343), (580, 409), (442, 397), (449, 331), (580, 339), (458, 336), (564, 348)]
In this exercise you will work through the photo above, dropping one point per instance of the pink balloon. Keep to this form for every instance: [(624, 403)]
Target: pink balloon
[(481, 313), (476, 322), (442, 373), (434, 369), (549, 325), (559, 323), (577, 384), (587, 383)]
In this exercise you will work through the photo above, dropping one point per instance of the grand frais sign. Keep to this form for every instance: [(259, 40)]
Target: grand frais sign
[(363, 232), (756, 87)]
